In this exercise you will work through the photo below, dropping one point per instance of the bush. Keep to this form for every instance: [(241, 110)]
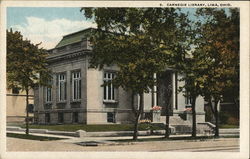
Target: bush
[(233, 121), (223, 117), (227, 118)]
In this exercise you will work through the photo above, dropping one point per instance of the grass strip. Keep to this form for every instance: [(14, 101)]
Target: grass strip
[(97, 128), (227, 126), (32, 137)]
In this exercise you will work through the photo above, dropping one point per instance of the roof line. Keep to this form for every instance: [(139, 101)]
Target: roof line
[(78, 32)]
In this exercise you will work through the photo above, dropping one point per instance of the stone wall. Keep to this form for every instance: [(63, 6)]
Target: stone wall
[(16, 106), (53, 118)]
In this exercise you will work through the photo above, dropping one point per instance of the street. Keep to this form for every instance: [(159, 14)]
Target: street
[(221, 144)]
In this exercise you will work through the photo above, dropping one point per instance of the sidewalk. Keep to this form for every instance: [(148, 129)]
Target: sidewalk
[(102, 144), (114, 143)]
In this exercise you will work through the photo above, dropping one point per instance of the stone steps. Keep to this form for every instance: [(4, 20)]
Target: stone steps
[(182, 126)]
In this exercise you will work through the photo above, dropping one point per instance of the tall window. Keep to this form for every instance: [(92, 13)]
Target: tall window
[(76, 85), (48, 94), (61, 87), (109, 91), (188, 99)]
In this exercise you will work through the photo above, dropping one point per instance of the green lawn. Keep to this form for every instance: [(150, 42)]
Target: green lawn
[(96, 128), (227, 126), (15, 124), (32, 137)]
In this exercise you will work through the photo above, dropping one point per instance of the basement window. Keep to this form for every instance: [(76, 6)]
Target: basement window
[(75, 117), (15, 91), (111, 117), (60, 117), (47, 118)]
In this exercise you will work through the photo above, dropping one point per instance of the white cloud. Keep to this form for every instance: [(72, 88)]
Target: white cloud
[(50, 32)]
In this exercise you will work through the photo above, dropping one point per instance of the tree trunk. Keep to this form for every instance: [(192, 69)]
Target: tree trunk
[(193, 118), (27, 112), (135, 135), (167, 123), (137, 117), (169, 93), (216, 115)]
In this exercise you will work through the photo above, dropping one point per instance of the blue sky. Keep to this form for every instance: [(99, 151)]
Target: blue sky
[(17, 15), (49, 24), (46, 24)]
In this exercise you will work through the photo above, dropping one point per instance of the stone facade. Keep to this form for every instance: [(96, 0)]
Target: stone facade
[(16, 105), (76, 95)]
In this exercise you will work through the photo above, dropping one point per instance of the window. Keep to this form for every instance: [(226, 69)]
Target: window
[(15, 90), (188, 99), (75, 117), (109, 90), (47, 118), (61, 87), (76, 86), (48, 94), (111, 117), (31, 108), (60, 117)]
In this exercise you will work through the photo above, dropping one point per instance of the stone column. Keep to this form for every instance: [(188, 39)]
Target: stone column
[(154, 92), (173, 90), (54, 91), (41, 98), (68, 89)]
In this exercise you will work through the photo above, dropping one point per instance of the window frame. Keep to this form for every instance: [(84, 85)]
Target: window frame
[(113, 120), (188, 100), (75, 117), (109, 91), (63, 82), (47, 118), (48, 94), (15, 90), (60, 117), (76, 81)]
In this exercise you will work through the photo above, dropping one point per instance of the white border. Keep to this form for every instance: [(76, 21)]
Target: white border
[(244, 84)]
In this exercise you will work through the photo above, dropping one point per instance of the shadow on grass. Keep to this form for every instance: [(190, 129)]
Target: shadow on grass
[(33, 137)]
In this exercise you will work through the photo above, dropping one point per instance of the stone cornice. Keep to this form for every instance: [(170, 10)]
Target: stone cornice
[(59, 57)]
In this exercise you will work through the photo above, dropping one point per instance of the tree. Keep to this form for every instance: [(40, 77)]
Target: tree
[(141, 42), (26, 66), (191, 68), (218, 45)]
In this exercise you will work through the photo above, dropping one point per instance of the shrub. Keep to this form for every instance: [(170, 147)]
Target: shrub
[(233, 121), (223, 117)]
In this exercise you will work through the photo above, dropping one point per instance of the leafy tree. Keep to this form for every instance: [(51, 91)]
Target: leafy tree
[(218, 45), (141, 42), (26, 66), (191, 68)]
